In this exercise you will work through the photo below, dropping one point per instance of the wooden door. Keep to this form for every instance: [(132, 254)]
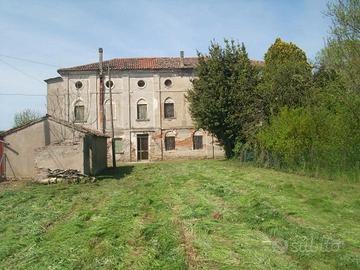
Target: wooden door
[(142, 147)]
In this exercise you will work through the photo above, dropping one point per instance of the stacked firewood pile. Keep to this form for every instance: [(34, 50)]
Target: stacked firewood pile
[(68, 176)]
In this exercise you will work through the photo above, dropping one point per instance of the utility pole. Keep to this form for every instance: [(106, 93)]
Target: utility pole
[(112, 120), (101, 115)]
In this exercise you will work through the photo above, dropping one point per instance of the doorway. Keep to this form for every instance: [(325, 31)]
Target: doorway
[(142, 147)]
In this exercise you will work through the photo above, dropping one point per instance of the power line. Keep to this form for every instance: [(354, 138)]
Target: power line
[(22, 72), (22, 94), (28, 60)]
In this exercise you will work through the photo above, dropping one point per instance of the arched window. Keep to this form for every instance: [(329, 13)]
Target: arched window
[(198, 140), (142, 110), (170, 141), (169, 108), (79, 111)]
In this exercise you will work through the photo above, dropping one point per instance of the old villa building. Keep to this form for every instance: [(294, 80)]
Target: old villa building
[(151, 119)]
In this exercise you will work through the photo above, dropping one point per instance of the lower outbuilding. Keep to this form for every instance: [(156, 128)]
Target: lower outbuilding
[(51, 143)]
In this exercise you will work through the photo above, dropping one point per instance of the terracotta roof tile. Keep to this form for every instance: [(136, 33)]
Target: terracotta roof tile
[(76, 127), (154, 63)]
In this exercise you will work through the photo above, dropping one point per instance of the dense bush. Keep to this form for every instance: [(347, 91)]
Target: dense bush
[(286, 77), (322, 139), (287, 114)]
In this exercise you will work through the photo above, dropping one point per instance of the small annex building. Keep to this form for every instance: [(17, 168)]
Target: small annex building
[(51, 143)]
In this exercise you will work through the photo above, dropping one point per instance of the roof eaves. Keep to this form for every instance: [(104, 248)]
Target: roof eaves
[(77, 127), (58, 78), (59, 121), (15, 129)]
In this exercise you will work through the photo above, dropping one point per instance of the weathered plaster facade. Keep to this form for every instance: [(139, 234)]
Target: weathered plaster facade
[(63, 96)]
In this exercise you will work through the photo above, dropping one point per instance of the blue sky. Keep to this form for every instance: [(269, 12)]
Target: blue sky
[(66, 33)]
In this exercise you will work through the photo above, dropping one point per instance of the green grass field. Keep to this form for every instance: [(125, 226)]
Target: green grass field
[(182, 215)]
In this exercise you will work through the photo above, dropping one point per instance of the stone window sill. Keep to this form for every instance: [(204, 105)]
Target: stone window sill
[(142, 120), (169, 118)]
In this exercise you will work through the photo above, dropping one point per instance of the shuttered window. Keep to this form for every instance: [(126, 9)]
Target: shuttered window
[(141, 111), (79, 112), (119, 146)]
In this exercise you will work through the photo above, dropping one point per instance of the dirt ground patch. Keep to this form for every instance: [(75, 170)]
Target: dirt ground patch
[(12, 184)]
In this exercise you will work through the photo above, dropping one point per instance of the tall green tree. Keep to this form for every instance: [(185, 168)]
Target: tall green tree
[(286, 77), (223, 99), (342, 52), (25, 116)]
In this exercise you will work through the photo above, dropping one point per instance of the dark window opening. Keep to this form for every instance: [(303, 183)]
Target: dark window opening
[(142, 147), (79, 112), (168, 83), (169, 143), (169, 110), (78, 84), (141, 111), (109, 84), (141, 83), (198, 142)]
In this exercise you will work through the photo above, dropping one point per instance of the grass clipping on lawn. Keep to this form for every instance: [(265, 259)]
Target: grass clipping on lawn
[(182, 215)]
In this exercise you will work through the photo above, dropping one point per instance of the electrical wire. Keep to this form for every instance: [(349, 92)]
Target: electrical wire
[(28, 60), (22, 72), (22, 94)]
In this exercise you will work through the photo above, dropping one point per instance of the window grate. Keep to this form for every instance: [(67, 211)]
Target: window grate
[(169, 143), (198, 142)]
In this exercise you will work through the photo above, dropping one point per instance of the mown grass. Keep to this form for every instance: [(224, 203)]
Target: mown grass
[(182, 215)]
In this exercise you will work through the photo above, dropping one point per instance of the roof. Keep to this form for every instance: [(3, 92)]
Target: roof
[(54, 79), (153, 63), (79, 128)]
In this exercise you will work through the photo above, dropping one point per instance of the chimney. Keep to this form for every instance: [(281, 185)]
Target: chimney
[(182, 59), (101, 61)]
